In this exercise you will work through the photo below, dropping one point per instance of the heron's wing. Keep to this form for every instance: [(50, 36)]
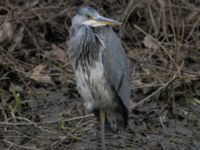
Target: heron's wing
[(116, 66)]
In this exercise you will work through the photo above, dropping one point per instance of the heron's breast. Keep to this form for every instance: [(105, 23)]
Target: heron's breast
[(93, 86)]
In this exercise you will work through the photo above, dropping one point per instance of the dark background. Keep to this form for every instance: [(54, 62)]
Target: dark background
[(40, 107)]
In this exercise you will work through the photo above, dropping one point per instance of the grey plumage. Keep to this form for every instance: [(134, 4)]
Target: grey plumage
[(101, 67), (117, 71)]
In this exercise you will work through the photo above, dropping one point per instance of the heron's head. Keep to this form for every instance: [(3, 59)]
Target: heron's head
[(90, 17)]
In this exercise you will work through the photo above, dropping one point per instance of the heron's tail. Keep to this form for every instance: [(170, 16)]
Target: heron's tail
[(116, 118)]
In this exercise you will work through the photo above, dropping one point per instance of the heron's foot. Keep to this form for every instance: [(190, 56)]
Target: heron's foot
[(102, 122), (100, 131), (98, 136), (100, 142)]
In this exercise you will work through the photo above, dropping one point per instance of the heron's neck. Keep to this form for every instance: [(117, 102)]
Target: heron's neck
[(91, 45)]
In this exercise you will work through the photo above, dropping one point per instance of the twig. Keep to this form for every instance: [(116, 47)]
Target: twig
[(162, 124), (160, 45), (19, 146), (154, 93), (132, 5), (29, 122), (152, 18)]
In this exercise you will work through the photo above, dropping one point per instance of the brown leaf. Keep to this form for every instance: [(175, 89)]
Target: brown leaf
[(17, 39), (58, 53), (150, 43), (38, 76), (34, 3), (6, 32)]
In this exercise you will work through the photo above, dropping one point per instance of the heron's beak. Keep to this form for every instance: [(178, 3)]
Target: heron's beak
[(101, 21)]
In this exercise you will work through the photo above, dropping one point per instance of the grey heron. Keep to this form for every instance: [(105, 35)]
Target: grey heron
[(101, 68)]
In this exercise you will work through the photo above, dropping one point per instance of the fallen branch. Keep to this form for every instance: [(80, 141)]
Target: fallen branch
[(19, 146), (154, 93), (29, 122)]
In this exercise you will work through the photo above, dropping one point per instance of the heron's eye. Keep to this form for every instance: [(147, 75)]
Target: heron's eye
[(88, 16)]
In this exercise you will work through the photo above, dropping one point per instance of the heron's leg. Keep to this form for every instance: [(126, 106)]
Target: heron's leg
[(102, 121)]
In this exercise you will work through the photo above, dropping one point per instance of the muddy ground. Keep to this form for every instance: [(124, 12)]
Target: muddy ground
[(40, 107)]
